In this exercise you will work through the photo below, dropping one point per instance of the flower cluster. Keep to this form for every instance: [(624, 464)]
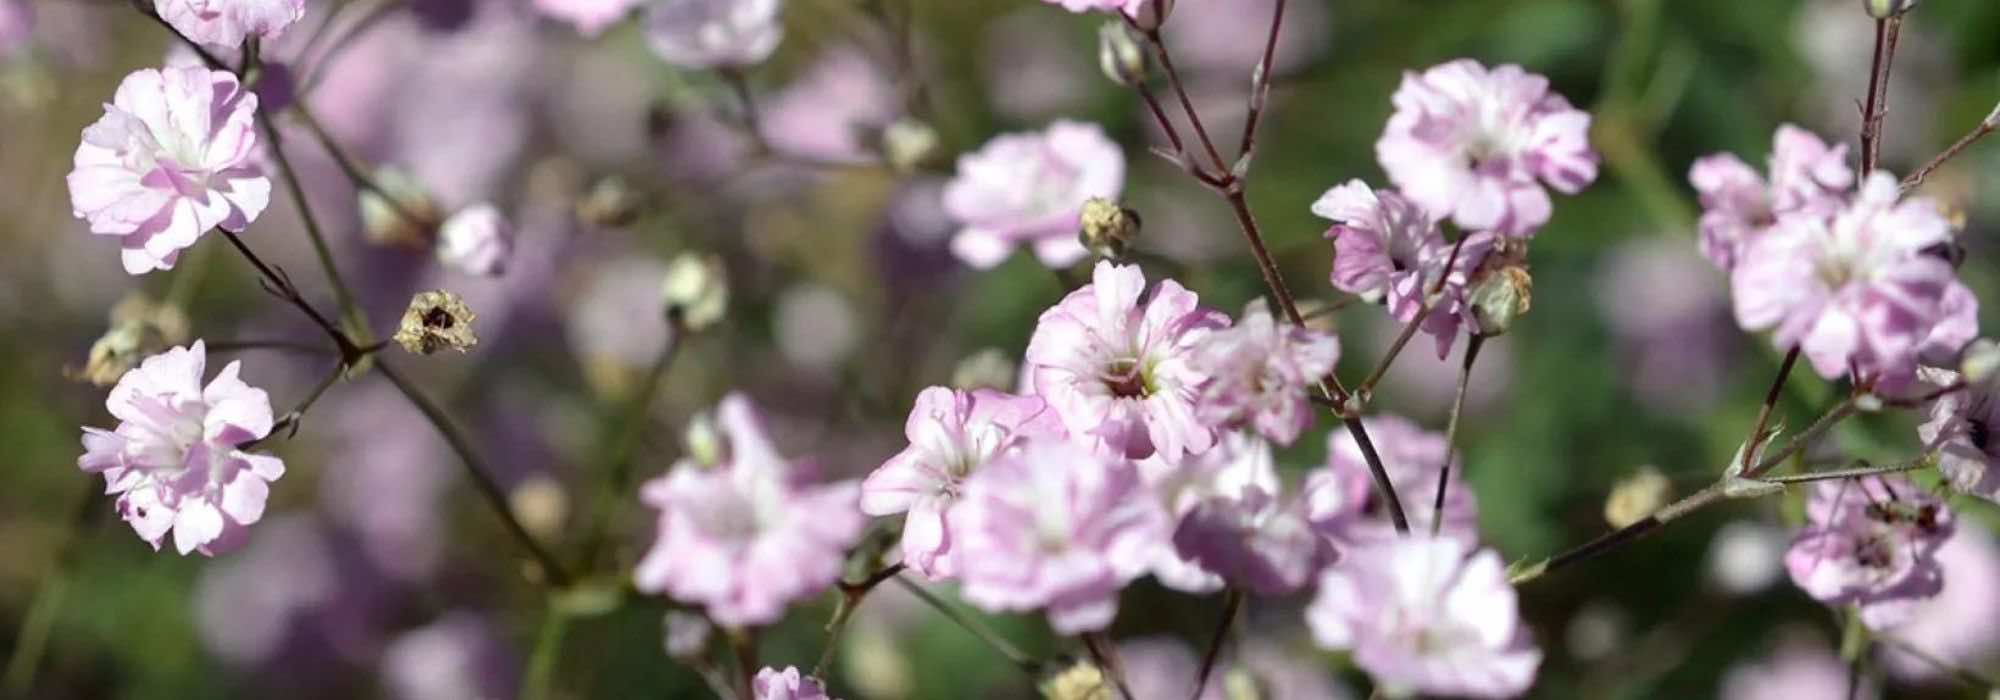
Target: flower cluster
[(1028, 189), (1871, 543)]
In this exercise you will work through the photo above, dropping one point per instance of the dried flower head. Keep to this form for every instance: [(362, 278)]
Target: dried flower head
[(436, 320), (1119, 55), (1637, 496), (907, 144), (139, 327), (1107, 229), (1081, 681), (696, 287)]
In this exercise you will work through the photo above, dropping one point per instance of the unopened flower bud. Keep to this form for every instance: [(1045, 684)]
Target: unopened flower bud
[(907, 144), (991, 368), (704, 441), (1082, 681), (140, 327), (540, 504), (1981, 359), (401, 214), (1106, 229), (1884, 9), (1119, 54), (696, 288), (1637, 496), (436, 321), (687, 635), (1240, 684), (476, 241), (610, 203), (1500, 298)]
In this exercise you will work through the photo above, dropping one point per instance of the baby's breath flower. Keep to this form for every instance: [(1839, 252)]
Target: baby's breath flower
[(435, 321), (139, 327), (697, 287)]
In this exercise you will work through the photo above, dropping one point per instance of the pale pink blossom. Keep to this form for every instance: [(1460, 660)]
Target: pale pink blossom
[(590, 17), (1797, 669), (1422, 617), (173, 156), (1260, 372), (1117, 367), (1939, 627), (227, 23), (174, 461), (828, 111), (1858, 290), (476, 241), (1871, 543), (1957, 325), (1387, 249), (1808, 176), (713, 33), (17, 25), (1345, 506), (1962, 426), (789, 684), (1028, 189), (1476, 145), (952, 434), (461, 656), (1234, 523), (749, 535), (1055, 526), (1132, 8)]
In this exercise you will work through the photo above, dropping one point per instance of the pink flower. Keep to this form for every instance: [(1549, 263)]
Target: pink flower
[(1796, 670), (748, 536), (713, 33), (1119, 370), (476, 241), (461, 655), (17, 25), (1133, 8), (1387, 249), (1345, 506), (227, 23), (172, 157), (1424, 618), (1234, 525), (1056, 526), (1807, 176), (952, 434), (1939, 628), (1957, 325), (1857, 290), (789, 684), (1028, 188), (1871, 543), (1259, 372), (1962, 426), (591, 17), (1477, 144), (174, 460)]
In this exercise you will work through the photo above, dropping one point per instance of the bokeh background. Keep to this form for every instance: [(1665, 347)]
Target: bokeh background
[(377, 573)]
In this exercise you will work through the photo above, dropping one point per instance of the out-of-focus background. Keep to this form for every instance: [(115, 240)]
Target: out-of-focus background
[(378, 573)]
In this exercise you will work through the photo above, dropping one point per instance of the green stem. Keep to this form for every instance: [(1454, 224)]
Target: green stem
[(1451, 430), (614, 459), (350, 311), (978, 629), (537, 681), (32, 640)]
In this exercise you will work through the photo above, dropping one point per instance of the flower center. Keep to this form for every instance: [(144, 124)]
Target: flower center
[(1126, 378)]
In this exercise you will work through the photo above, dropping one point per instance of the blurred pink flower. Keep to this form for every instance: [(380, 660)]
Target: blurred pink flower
[(1260, 372), (227, 23), (1669, 312), (952, 434), (1238, 527), (1476, 145), (1118, 370), (1871, 543), (1057, 526), (460, 656), (173, 156), (476, 241), (1940, 625), (1130, 7), (789, 684), (826, 113), (1795, 670), (173, 461), (1858, 290), (747, 536), (1165, 667), (701, 34), (590, 17), (17, 25), (1387, 249), (1421, 617), (1028, 188), (1344, 505), (1207, 38), (1961, 426), (1807, 176), (1957, 325)]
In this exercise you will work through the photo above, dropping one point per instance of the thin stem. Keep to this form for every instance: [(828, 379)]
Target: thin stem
[(743, 643), (615, 459), (752, 121), (1886, 31), (349, 309), (1260, 88), (1232, 602), (1383, 485), (1265, 264), (320, 66), (480, 473), (355, 174), (1826, 421), (1451, 431), (978, 629), (280, 284), (1166, 60), (292, 346), (538, 679), (289, 422), (1105, 655), (1854, 473), (1395, 350), (851, 595), (1770, 403), (1986, 126)]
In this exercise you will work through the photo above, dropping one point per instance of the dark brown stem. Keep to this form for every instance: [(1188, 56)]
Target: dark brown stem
[(614, 454), (1886, 31), (1826, 421), (1166, 60), (1986, 126), (1260, 89), (353, 171), (1232, 602), (1106, 657), (1451, 431), (1770, 402), (851, 595), (1383, 485)]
